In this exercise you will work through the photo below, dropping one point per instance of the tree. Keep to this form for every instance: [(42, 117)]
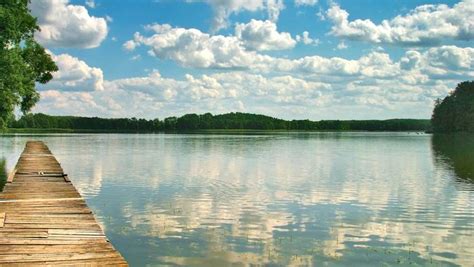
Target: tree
[(455, 113), (23, 61), (188, 122)]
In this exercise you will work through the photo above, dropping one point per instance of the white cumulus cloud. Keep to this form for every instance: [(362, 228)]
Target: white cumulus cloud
[(193, 48), (74, 75), (66, 25), (223, 9), (305, 39), (426, 25), (263, 35), (374, 86)]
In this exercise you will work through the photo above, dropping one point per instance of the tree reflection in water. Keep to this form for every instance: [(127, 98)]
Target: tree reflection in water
[(3, 173), (457, 151)]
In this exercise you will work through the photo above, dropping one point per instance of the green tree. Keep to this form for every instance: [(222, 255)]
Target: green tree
[(188, 122), (23, 61), (455, 113)]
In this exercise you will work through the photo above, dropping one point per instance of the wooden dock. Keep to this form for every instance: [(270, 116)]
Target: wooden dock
[(45, 221)]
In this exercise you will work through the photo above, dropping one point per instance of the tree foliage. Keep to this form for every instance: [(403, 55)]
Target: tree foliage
[(23, 61), (207, 121), (455, 113)]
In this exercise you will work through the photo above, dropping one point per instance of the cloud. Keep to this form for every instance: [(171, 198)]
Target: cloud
[(239, 75), (263, 35), (372, 86), (451, 58), (136, 57), (193, 48), (440, 63), (305, 39), (68, 26), (223, 9), (306, 2), (446, 62), (130, 45), (426, 25), (53, 101), (74, 75), (90, 3), (342, 45), (154, 85), (274, 7), (154, 95)]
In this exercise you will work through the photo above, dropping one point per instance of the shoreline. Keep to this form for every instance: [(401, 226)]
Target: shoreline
[(203, 131)]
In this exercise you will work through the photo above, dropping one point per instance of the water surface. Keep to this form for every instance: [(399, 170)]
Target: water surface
[(332, 199)]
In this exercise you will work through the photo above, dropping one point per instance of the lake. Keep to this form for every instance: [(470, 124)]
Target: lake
[(333, 199)]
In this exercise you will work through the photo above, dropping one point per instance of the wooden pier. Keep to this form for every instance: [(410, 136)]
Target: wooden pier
[(45, 221)]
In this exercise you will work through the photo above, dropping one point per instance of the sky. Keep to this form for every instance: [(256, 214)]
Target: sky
[(301, 59)]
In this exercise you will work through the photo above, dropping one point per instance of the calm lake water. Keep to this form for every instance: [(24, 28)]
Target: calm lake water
[(333, 199)]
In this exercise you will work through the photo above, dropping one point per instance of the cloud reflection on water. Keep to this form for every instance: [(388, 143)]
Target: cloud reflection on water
[(290, 199)]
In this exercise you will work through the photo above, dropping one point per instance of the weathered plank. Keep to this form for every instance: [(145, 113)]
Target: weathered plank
[(11, 176), (45, 221), (46, 249), (2, 219)]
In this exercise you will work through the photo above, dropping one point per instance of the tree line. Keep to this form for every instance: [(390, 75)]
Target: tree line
[(207, 121)]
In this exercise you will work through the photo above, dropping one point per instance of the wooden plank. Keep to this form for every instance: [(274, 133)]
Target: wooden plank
[(87, 226), (41, 212), (81, 263), (11, 176), (47, 241), (39, 196), (40, 200), (41, 219), (74, 232), (55, 257), (45, 249), (24, 234), (45, 221), (2, 219), (52, 216)]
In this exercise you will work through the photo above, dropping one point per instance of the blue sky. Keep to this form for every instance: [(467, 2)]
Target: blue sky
[(292, 59)]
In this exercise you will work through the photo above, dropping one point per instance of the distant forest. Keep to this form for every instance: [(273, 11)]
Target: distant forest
[(207, 121)]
